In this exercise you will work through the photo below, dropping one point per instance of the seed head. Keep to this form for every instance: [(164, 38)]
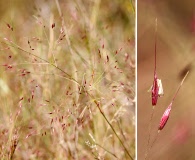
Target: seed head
[(166, 114), (156, 83), (165, 117)]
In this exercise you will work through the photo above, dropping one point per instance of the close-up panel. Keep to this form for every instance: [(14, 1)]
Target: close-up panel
[(166, 53)]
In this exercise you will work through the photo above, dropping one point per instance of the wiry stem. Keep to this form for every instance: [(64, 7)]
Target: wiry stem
[(155, 48), (113, 130), (106, 150), (153, 142), (150, 124), (180, 86)]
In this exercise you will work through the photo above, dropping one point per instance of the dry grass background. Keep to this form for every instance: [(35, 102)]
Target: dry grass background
[(48, 114), (175, 53)]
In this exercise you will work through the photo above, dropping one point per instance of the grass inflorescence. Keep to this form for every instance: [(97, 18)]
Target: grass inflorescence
[(67, 80)]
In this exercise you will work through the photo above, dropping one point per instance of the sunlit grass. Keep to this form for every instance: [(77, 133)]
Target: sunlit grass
[(67, 80)]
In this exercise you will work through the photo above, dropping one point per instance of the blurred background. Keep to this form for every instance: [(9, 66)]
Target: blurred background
[(175, 56), (59, 61)]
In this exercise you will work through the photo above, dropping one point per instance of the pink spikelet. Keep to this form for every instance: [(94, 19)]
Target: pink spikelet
[(165, 117), (167, 112)]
